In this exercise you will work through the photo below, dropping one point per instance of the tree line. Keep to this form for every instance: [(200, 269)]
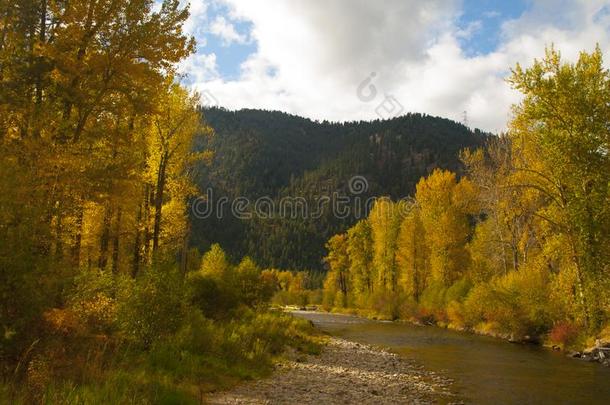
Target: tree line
[(520, 244)]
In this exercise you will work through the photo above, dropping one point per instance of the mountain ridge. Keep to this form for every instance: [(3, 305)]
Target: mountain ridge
[(273, 154)]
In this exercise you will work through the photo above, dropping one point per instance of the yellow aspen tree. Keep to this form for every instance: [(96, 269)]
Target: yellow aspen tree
[(385, 219), (445, 205), (412, 253)]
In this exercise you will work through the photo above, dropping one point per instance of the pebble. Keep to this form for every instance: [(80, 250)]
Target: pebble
[(345, 372)]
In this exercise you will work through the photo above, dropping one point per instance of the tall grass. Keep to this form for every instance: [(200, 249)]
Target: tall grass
[(202, 356)]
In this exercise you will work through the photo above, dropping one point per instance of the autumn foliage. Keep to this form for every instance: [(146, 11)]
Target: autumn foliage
[(518, 245), (98, 152)]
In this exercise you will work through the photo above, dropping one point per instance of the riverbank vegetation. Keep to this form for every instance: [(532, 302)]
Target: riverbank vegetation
[(520, 245), (102, 301)]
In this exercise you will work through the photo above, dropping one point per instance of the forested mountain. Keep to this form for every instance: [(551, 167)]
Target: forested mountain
[(274, 154)]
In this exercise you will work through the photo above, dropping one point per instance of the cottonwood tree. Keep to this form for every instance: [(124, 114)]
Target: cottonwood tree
[(360, 251), (561, 147), (170, 152), (412, 253), (338, 283), (385, 219), (445, 204), (503, 236)]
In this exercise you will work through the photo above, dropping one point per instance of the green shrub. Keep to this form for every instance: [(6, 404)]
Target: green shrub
[(454, 308), (214, 298), (315, 297), (458, 291), (198, 334), (155, 308), (96, 297), (299, 298), (251, 288)]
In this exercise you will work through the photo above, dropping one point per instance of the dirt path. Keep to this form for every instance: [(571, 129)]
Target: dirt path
[(344, 373)]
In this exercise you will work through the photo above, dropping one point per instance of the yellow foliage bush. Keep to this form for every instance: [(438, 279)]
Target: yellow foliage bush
[(99, 312), (455, 315), (63, 322), (515, 303)]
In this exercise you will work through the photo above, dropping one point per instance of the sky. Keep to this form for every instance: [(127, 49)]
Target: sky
[(345, 60)]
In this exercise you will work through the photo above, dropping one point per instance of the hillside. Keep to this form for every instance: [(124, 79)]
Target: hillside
[(274, 154)]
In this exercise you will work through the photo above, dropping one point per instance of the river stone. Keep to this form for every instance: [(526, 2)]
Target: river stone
[(345, 372)]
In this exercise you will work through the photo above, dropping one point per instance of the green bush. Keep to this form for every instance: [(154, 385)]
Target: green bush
[(198, 334), (299, 298), (155, 308), (215, 298), (96, 297), (458, 291), (251, 288), (161, 338)]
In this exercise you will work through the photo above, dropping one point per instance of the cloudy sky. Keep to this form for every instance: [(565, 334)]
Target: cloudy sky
[(360, 59)]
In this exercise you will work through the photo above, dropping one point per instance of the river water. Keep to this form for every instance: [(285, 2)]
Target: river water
[(485, 370)]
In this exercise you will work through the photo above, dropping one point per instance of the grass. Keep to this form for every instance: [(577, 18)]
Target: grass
[(202, 357)]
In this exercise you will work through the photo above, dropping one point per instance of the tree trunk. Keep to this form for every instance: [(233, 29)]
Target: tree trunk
[(89, 33), (580, 284), (115, 244), (147, 199), (59, 248), (137, 253), (185, 248), (78, 237), (38, 79), (159, 201), (105, 238)]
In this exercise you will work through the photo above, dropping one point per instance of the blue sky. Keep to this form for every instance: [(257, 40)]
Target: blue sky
[(229, 56), (486, 16), (441, 57), (482, 16)]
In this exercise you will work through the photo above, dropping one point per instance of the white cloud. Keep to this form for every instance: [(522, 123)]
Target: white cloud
[(226, 31), (469, 30), (312, 55), (197, 22), (199, 68), (492, 14)]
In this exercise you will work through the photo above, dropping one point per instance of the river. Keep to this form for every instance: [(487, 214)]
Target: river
[(485, 370)]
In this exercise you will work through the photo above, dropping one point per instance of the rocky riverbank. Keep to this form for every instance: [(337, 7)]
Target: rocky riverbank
[(344, 373), (599, 353)]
